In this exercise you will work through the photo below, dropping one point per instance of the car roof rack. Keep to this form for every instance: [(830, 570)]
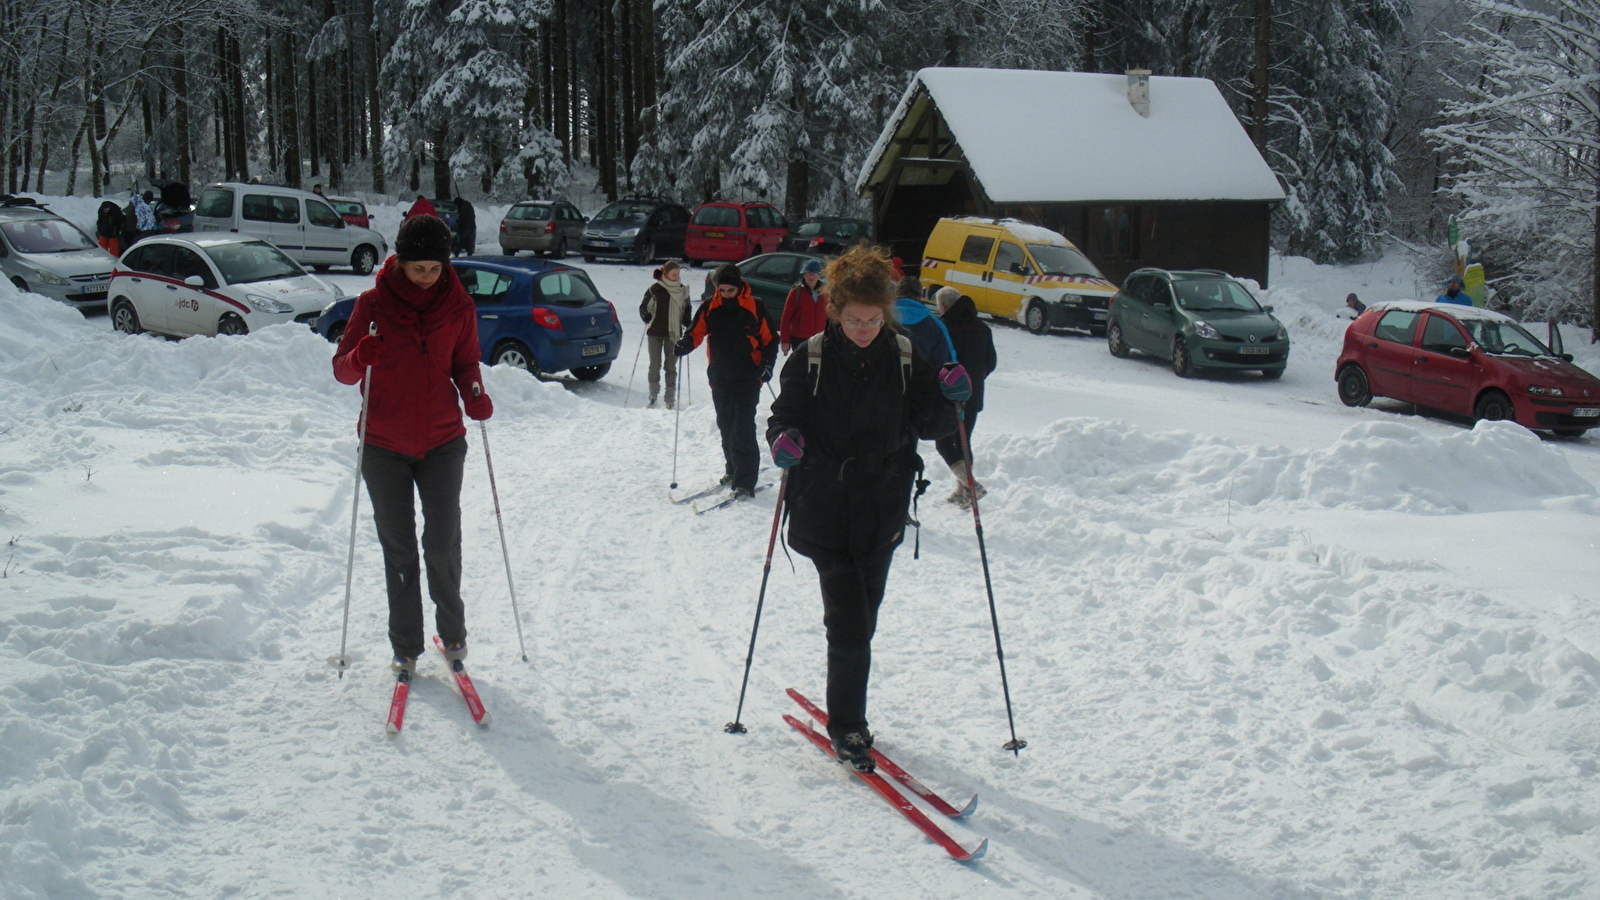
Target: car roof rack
[(1213, 272), (10, 202)]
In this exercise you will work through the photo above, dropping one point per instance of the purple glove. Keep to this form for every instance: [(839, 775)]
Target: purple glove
[(954, 383), (789, 448)]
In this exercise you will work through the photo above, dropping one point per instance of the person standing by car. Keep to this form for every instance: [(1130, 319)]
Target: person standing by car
[(739, 356), (974, 346), (424, 359), (466, 226), (853, 403), (108, 227), (1453, 292), (927, 332), (804, 312), (141, 218), (422, 208), (665, 311)]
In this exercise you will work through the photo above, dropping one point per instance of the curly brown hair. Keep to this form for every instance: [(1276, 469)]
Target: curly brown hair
[(862, 274)]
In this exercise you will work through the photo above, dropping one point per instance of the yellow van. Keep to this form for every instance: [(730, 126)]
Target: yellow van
[(1019, 271)]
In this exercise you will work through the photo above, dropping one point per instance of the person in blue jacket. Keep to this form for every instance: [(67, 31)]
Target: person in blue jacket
[(927, 333), (1453, 292)]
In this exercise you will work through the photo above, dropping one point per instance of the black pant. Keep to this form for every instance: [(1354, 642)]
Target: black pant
[(393, 479), (852, 591), (949, 446), (736, 401)]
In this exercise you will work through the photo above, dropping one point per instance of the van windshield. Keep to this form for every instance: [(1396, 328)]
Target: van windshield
[(253, 261), (1054, 260)]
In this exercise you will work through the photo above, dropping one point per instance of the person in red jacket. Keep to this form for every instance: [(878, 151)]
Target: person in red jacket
[(804, 311), (421, 208), (418, 331)]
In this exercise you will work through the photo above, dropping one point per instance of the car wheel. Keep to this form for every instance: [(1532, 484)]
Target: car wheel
[(517, 355), (364, 260), (1182, 365), (321, 267), (230, 323), (1272, 374), (1115, 342), (561, 250), (336, 331), (1494, 406), (125, 318), (507, 251), (591, 373), (20, 284), (1571, 432), (644, 252), (1034, 318), (587, 258), (694, 263), (1353, 387)]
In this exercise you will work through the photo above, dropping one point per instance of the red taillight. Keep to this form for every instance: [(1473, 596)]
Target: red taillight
[(549, 228), (614, 320), (502, 228), (548, 319), (816, 242)]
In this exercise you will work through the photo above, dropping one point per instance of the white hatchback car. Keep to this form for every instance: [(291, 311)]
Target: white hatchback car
[(205, 284)]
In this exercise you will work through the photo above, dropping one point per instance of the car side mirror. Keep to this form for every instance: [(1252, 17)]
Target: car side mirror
[(195, 281), (1460, 352), (1266, 309), (1567, 357)]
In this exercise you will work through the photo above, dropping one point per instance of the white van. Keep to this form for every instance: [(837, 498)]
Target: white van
[(299, 223)]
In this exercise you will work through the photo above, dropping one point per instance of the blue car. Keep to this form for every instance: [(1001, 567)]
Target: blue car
[(538, 315)]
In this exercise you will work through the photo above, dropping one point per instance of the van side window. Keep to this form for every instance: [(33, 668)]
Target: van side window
[(1009, 259), (1441, 335), (976, 249), (320, 214), (287, 208), (258, 208), (1396, 325)]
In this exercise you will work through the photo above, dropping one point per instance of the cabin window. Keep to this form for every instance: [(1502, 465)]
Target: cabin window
[(1119, 235)]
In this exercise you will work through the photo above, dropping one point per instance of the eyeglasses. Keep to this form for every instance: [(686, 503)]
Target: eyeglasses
[(859, 325)]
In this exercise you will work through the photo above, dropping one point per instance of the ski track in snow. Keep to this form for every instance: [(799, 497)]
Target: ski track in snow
[(1299, 663)]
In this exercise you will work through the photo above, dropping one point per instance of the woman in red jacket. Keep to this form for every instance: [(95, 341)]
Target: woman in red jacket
[(804, 311), (423, 355)]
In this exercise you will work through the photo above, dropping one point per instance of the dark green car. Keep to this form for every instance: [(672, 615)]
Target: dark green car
[(1198, 320), (770, 276)]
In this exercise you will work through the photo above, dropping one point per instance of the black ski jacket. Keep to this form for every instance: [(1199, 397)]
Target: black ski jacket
[(861, 420), (974, 345)]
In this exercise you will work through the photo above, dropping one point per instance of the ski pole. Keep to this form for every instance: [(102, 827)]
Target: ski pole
[(629, 394), (677, 413), (342, 661), (516, 615), (1015, 744), (737, 727)]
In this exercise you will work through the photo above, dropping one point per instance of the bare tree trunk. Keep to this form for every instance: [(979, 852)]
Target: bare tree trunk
[(560, 40), (289, 110), (605, 120), (77, 146), (1258, 75), (441, 163), (374, 110), (241, 142), (180, 87)]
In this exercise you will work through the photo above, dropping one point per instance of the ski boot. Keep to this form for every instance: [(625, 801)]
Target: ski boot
[(854, 749)]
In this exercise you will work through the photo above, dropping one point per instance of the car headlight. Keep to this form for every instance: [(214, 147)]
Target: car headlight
[(630, 232), (1545, 391), (1205, 330), (50, 278), (1283, 333), (267, 304)]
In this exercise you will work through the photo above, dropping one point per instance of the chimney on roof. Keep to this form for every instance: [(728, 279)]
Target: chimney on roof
[(1139, 91)]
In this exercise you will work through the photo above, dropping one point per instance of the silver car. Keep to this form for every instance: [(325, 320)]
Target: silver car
[(543, 226), (44, 253)]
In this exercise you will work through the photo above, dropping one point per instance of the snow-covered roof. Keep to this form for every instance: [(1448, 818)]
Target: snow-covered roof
[(1073, 137), (1458, 310)]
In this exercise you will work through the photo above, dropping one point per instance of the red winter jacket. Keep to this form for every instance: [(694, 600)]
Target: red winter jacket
[(421, 208), (430, 359), (805, 313)]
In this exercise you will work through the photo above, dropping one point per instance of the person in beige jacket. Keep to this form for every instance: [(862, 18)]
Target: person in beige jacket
[(665, 310)]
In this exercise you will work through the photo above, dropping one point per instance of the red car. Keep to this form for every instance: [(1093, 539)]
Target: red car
[(351, 210), (729, 232), (1466, 361)]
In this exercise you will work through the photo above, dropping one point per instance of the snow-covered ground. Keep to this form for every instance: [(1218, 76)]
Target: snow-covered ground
[(1261, 645)]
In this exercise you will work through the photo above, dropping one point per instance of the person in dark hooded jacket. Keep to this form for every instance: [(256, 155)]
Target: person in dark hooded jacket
[(424, 358), (854, 401), (740, 348), (466, 226), (974, 346)]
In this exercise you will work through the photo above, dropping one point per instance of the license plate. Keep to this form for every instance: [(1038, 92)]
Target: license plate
[(94, 294), (594, 350), (1099, 314), (1587, 412), (715, 234), (1254, 351)]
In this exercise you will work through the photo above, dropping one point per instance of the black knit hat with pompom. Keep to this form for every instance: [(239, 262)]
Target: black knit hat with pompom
[(424, 237)]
